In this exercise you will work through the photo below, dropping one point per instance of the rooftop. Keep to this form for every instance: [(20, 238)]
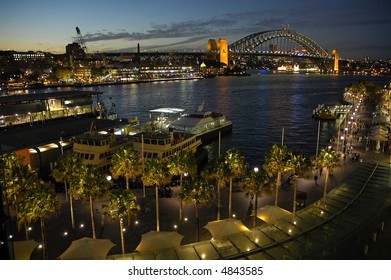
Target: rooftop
[(9, 99), (23, 137)]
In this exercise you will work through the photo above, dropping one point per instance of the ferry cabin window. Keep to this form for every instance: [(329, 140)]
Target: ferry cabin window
[(153, 142), (161, 142)]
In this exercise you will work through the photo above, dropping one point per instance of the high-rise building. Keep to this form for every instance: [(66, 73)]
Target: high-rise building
[(74, 52)]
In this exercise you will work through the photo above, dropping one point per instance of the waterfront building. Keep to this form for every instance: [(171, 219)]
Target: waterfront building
[(39, 127), (31, 108)]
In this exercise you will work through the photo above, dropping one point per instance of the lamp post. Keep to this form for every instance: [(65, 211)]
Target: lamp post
[(317, 139), (338, 135), (344, 142)]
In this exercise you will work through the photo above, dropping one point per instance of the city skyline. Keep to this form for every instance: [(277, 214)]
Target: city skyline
[(356, 28)]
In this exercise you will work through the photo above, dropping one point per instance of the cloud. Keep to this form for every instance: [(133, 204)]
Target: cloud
[(309, 20), (181, 29)]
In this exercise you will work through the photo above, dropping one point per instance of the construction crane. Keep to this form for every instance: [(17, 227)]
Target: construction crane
[(81, 40)]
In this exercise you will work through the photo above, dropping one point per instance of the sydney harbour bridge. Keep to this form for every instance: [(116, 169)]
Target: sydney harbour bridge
[(283, 44)]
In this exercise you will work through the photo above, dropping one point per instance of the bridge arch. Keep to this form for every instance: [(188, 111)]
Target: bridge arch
[(250, 42)]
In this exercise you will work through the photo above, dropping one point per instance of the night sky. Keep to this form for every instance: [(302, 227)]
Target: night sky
[(356, 28)]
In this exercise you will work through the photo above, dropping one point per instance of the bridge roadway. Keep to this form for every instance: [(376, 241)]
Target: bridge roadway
[(315, 232)]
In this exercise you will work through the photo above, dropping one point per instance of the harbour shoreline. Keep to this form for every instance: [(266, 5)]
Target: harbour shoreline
[(77, 85)]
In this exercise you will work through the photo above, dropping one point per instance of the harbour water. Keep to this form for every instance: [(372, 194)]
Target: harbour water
[(260, 107)]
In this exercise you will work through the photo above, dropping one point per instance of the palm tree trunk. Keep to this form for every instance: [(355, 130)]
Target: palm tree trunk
[(218, 203), (294, 195), (43, 237), (121, 229), (71, 209), (92, 218), (230, 199), (127, 181), (197, 224), (16, 211), (255, 210), (157, 208), (326, 181), (277, 187), (26, 231), (180, 201)]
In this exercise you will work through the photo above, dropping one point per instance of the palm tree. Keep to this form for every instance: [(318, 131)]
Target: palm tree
[(182, 163), (65, 170), (277, 164), (122, 205), (126, 162), (236, 167), (19, 177), (300, 167), (328, 159), (39, 203), (156, 174), (254, 182), (93, 184), (217, 171), (199, 191)]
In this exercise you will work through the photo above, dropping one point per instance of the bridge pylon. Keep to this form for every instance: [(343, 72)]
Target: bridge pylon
[(335, 55)]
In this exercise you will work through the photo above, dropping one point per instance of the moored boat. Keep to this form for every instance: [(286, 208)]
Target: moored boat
[(163, 144), (204, 124), (97, 149)]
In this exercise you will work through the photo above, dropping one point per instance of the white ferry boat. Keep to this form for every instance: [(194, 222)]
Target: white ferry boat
[(97, 149), (163, 144), (205, 124)]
